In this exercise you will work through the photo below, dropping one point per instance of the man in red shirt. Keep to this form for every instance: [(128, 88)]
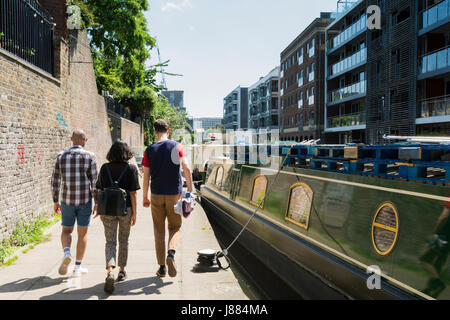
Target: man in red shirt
[(162, 164)]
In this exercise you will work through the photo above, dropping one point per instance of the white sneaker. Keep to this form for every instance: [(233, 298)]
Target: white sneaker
[(65, 264), (77, 272)]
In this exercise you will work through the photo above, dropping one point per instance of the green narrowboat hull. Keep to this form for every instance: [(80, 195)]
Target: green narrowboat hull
[(336, 241)]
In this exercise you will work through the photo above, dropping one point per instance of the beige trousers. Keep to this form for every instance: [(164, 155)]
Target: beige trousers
[(162, 208)]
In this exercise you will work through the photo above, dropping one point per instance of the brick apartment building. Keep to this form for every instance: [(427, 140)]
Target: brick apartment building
[(302, 81)]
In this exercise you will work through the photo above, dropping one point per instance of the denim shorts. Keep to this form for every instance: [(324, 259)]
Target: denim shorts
[(82, 214)]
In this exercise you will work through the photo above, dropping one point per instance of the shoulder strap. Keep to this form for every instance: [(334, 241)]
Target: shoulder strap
[(123, 173), (109, 174)]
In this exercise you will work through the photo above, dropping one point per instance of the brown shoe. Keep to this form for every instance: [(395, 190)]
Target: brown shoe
[(172, 266), (161, 271)]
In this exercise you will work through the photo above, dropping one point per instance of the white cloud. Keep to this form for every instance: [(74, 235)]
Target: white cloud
[(170, 6)]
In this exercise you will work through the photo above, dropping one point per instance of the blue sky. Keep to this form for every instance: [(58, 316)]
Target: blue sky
[(220, 44)]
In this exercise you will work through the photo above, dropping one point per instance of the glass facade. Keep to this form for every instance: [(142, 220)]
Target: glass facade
[(354, 89), (435, 14), (349, 62), (435, 61), (349, 33)]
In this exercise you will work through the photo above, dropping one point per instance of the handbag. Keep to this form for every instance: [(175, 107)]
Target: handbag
[(112, 201)]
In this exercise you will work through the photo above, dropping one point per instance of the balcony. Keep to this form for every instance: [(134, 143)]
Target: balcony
[(309, 127), (353, 91), (436, 62), (435, 16), (300, 60), (349, 33), (348, 63), (347, 120), (300, 103), (434, 110), (311, 100), (311, 76)]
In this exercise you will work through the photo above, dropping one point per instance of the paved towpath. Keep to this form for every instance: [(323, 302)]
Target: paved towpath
[(35, 274)]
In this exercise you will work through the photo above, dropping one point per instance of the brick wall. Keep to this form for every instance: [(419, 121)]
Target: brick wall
[(37, 115)]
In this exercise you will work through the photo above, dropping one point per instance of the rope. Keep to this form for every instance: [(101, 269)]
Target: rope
[(224, 252)]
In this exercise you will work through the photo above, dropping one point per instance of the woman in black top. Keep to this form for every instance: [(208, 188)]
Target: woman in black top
[(118, 157)]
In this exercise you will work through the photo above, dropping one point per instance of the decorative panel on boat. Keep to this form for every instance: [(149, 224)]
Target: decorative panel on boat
[(299, 205), (259, 190), (219, 176), (385, 228)]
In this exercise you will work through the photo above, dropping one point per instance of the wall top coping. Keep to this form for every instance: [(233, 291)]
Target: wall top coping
[(28, 65)]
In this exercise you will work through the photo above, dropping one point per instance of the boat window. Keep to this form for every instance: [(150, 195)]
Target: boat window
[(259, 190), (299, 204), (219, 176), (385, 228)]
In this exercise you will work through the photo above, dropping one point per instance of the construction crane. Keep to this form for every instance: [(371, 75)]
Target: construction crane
[(163, 77)]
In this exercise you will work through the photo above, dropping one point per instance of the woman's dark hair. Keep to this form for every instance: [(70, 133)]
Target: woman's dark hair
[(119, 152)]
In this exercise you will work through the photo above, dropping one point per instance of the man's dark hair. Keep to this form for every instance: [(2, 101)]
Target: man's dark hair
[(161, 126), (119, 152)]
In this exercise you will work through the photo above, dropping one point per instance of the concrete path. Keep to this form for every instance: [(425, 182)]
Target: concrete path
[(35, 274)]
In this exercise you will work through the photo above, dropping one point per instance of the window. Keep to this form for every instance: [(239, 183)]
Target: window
[(396, 63), (299, 204), (311, 118), (399, 17)]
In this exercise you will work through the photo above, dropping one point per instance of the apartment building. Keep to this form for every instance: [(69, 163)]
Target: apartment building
[(346, 85), (302, 81), (235, 109), (393, 80), (433, 76), (263, 102)]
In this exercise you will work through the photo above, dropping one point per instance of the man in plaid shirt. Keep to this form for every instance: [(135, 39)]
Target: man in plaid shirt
[(76, 172)]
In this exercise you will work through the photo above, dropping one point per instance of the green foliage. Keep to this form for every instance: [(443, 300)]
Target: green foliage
[(163, 110), (24, 233), (120, 46)]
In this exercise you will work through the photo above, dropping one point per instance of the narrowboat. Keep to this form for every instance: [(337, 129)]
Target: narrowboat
[(333, 218)]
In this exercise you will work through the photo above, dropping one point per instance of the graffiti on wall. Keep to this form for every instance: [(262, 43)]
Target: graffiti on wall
[(60, 119), (20, 154)]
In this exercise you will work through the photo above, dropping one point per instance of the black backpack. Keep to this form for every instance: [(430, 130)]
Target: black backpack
[(112, 201)]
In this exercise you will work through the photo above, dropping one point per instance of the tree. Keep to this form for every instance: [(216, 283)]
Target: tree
[(120, 45)]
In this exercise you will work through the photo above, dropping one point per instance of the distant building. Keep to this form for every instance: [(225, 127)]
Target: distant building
[(235, 109), (176, 99), (302, 73), (205, 123), (263, 102)]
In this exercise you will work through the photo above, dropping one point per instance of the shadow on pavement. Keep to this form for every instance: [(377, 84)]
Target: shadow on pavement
[(27, 284), (134, 287)]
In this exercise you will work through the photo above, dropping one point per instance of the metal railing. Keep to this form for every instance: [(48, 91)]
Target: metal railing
[(348, 63), (26, 30), (436, 13), (347, 120), (354, 89), (434, 107), (434, 61), (348, 33)]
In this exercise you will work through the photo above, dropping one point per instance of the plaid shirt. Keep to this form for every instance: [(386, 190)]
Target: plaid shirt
[(77, 169)]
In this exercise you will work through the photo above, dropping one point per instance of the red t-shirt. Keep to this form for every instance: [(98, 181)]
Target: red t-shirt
[(181, 153)]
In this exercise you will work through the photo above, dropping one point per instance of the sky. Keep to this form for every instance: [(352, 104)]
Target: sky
[(218, 45)]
